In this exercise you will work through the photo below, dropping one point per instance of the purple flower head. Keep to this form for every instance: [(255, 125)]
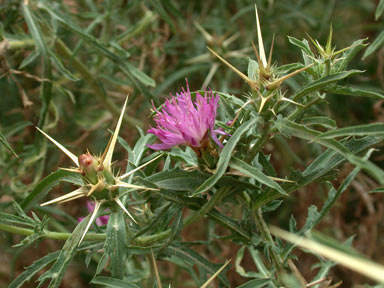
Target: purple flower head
[(100, 221), (183, 122)]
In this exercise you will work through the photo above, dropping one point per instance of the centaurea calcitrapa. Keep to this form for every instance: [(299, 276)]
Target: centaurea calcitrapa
[(183, 121), (100, 183)]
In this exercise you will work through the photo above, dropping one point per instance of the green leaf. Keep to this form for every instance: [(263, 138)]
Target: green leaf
[(60, 67), (112, 282), (320, 120), (13, 219), (255, 173), (303, 132), (181, 180), (346, 90), (6, 144), (46, 185), (124, 66), (139, 75), (322, 165), (255, 283), (379, 10), (29, 59), (114, 245), (303, 45), (350, 54), (225, 156), (334, 194), (164, 15), (33, 269), (323, 83), (379, 41), (374, 129), (56, 273), (377, 190), (190, 258), (239, 269), (34, 29), (253, 70)]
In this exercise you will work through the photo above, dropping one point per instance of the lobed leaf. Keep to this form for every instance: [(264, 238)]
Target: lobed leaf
[(56, 273), (33, 269)]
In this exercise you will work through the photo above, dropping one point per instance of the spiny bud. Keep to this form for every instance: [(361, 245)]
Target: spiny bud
[(89, 165)]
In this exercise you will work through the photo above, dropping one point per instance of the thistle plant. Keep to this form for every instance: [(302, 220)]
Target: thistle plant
[(100, 183), (219, 191)]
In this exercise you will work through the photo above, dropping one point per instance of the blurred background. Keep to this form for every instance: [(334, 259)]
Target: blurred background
[(93, 53)]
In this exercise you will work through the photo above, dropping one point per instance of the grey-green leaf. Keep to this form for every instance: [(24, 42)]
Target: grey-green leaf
[(225, 156), (374, 129), (6, 144), (322, 83), (112, 282), (379, 41), (379, 10), (255, 173), (33, 269), (56, 273), (346, 90)]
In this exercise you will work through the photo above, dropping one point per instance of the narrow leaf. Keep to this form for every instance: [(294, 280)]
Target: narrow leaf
[(255, 173), (6, 144), (112, 282), (322, 83), (379, 41), (346, 90), (33, 269), (56, 273), (225, 157), (375, 129)]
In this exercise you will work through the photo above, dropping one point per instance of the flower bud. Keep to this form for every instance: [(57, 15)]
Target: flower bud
[(89, 166)]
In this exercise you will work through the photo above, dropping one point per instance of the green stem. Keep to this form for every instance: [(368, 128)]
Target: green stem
[(20, 44), (64, 52), (300, 109), (267, 237), (259, 144), (139, 241), (149, 16), (216, 198)]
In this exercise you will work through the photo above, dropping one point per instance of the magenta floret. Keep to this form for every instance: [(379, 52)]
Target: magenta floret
[(183, 122)]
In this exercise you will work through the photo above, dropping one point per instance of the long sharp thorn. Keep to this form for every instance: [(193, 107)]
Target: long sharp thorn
[(77, 192), (206, 284), (93, 216), (260, 40), (108, 156), (138, 168), (271, 51), (70, 199), (208, 37), (282, 79), (243, 76), (127, 185), (117, 200), (73, 157), (256, 53)]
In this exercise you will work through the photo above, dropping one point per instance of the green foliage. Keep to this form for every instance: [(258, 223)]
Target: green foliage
[(67, 67)]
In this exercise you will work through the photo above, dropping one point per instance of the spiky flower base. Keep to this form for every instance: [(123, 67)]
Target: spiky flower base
[(100, 184)]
